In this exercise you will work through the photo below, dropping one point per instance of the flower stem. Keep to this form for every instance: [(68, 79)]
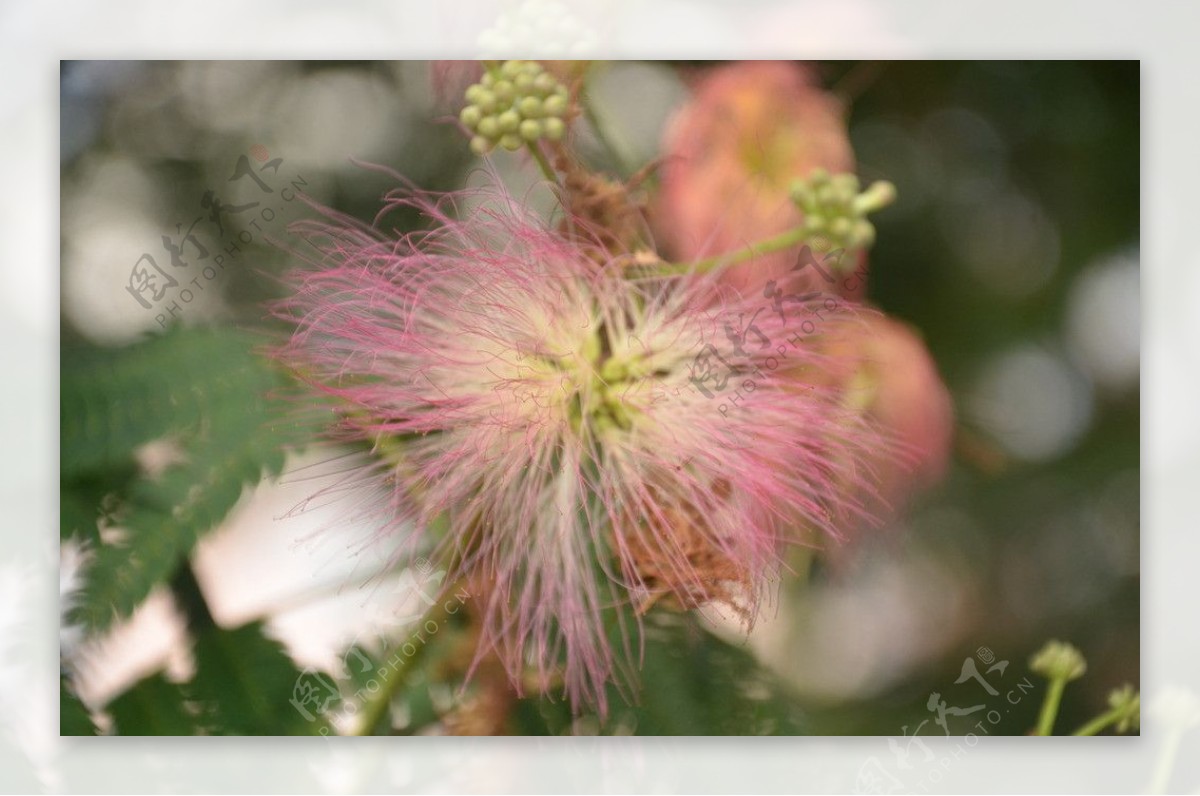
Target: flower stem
[(377, 707), (785, 240), (543, 164), (1049, 712), (1100, 722)]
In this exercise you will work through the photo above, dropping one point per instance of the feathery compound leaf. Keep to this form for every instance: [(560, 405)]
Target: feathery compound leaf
[(154, 706), (693, 683), (115, 400), (207, 392), (73, 717), (85, 501), (246, 683), (690, 683)]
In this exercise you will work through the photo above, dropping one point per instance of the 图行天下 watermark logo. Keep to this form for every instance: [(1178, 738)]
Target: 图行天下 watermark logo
[(913, 766), (396, 635), (190, 259), (753, 356)]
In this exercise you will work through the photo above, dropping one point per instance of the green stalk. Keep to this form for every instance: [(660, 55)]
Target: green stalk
[(1100, 722), (377, 707), (1050, 704), (777, 243), (547, 170)]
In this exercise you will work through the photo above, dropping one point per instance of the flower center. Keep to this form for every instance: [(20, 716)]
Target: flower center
[(603, 385)]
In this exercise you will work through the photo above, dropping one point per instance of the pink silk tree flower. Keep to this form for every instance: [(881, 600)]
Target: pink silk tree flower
[(576, 439), (730, 155), (885, 371)]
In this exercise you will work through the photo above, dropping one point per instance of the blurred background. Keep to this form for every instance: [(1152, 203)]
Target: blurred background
[(1013, 249)]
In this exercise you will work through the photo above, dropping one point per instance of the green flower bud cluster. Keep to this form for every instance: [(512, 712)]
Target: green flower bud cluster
[(1058, 660), (1126, 704), (835, 208), (516, 103)]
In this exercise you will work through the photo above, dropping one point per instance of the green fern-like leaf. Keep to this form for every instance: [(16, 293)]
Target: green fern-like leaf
[(690, 683), (115, 400), (73, 717), (208, 392), (154, 706), (246, 684)]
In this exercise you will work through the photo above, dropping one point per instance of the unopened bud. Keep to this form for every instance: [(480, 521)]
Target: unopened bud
[(878, 196), (515, 103), (470, 116), (554, 128), (555, 105), (1058, 660), (508, 122), (1128, 702), (530, 130)]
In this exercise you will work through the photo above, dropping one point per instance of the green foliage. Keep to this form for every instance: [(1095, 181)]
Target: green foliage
[(690, 683), (73, 717), (243, 685), (693, 683), (206, 392), (187, 382), (244, 681), (154, 706)]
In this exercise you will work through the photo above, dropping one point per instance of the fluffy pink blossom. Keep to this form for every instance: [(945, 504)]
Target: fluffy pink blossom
[(579, 440), (886, 370)]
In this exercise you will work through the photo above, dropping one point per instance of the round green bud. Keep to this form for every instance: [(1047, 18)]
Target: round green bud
[(554, 128), (879, 195), (826, 196), (511, 141), (840, 228), (814, 222), (845, 185), (523, 83), (530, 129), (508, 121), (470, 116), (818, 176), (1058, 660), (544, 83), (488, 127), (863, 233), (1128, 703), (487, 102), (487, 80), (474, 93), (480, 145), (555, 105), (510, 69), (504, 91), (530, 107), (1122, 698)]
